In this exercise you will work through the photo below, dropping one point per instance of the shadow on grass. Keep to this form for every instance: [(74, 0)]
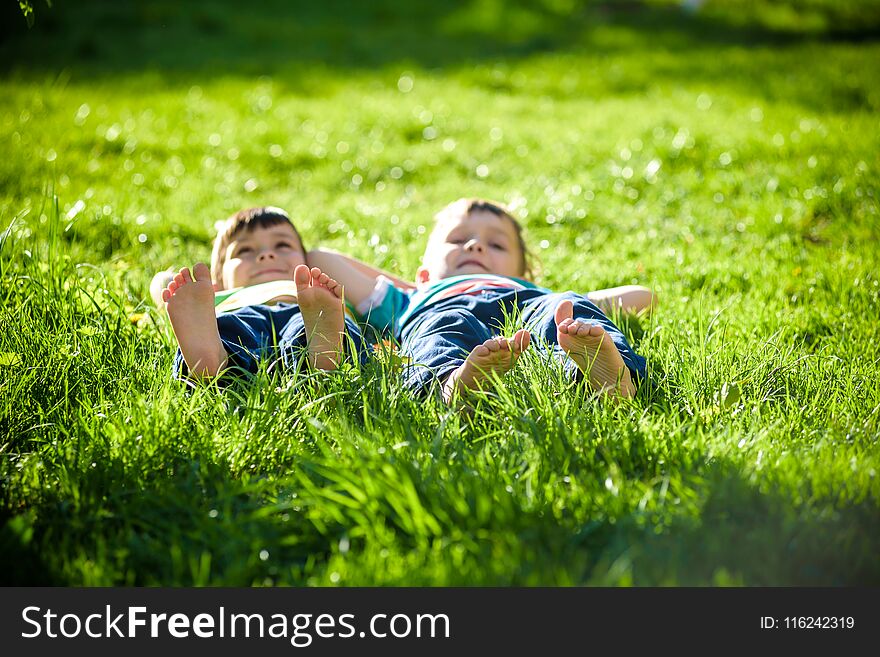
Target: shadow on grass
[(23, 565), (180, 530), (222, 38), (751, 534), (106, 38), (743, 533)]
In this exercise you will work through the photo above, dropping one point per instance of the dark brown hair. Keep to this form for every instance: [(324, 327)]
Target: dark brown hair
[(245, 221)]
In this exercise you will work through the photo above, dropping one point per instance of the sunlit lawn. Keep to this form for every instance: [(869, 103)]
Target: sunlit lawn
[(733, 167)]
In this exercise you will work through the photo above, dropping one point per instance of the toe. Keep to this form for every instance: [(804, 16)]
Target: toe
[(301, 276), (481, 351), (564, 311), (179, 279), (187, 277), (491, 345), (166, 295), (201, 272), (521, 340)]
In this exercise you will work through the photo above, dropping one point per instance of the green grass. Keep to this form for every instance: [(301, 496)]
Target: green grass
[(729, 160)]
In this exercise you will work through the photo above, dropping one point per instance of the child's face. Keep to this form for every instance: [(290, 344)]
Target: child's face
[(262, 255), (478, 243)]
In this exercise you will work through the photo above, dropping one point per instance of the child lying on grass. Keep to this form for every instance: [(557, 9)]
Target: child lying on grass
[(472, 278), (259, 256)]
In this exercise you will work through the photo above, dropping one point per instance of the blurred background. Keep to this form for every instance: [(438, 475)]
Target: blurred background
[(151, 120)]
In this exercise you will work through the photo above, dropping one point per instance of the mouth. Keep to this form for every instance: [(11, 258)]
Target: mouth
[(475, 263), (271, 272)]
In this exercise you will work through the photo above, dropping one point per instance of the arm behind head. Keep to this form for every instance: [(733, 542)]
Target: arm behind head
[(358, 278)]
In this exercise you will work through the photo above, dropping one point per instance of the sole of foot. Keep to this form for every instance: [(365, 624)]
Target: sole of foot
[(320, 302), (189, 301), (594, 353), (493, 358)]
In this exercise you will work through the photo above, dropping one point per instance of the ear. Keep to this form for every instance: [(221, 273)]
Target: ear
[(422, 276)]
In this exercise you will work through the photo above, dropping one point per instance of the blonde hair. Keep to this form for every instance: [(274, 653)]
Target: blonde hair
[(465, 206), (244, 221)]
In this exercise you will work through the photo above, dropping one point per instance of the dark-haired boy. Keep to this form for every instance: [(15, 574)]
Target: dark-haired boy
[(284, 309)]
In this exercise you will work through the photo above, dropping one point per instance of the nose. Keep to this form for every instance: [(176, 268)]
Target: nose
[(473, 244), (266, 254)]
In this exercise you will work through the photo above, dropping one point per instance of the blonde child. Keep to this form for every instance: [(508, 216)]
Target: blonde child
[(473, 276)]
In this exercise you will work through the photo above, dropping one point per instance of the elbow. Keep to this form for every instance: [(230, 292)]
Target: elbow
[(642, 299), (318, 258), (636, 299)]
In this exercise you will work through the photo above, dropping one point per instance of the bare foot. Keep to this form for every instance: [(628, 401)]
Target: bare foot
[(496, 355), (593, 352), (320, 302), (189, 301)]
